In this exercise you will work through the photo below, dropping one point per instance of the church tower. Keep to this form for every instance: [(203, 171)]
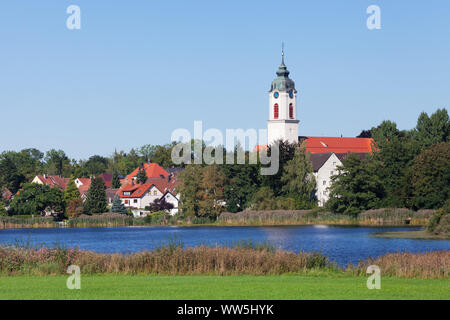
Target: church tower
[(283, 123)]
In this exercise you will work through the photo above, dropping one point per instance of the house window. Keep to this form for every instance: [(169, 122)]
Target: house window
[(331, 173), (126, 201), (155, 192), (275, 111), (291, 111), (135, 201), (324, 182)]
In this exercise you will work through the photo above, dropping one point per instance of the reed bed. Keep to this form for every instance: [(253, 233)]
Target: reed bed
[(168, 260), (385, 217), (18, 222), (428, 265), (104, 220), (243, 259)]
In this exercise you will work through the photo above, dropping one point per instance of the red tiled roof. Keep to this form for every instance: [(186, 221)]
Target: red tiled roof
[(54, 181), (152, 170), (338, 145), (107, 178), (136, 190)]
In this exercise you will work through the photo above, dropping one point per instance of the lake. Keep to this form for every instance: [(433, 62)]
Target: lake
[(341, 244)]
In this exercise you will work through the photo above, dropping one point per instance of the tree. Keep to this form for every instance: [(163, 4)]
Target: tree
[(3, 211), (190, 189), (430, 178), (160, 205), (264, 199), (10, 177), (117, 206), (394, 152), (141, 176), (242, 182), (96, 165), (286, 153), (298, 178), (40, 199), (432, 130), (57, 162), (71, 191), (96, 197), (356, 187), (213, 180), (115, 184), (74, 208)]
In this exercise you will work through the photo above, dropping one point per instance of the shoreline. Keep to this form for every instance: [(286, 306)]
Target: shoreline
[(416, 234)]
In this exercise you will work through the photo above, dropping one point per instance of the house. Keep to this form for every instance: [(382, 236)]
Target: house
[(52, 181), (152, 170), (325, 166), (160, 184)]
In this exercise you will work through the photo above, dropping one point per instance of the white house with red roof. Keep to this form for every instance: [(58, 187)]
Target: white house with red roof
[(160, 184)]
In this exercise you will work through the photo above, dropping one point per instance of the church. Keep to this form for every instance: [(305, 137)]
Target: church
[(326, 153)]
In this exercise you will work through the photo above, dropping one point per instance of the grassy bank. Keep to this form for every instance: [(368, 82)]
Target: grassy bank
[(420, 234), (294, 287), (378, 217)]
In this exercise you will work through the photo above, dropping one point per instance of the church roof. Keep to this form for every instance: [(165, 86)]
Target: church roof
[(282, 82), (337, 145)]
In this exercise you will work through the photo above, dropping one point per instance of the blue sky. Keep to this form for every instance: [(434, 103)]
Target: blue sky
[(137, 70)]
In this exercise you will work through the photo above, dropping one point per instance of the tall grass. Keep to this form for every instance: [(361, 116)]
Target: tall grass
[(20, 222), (243, 259), (104, 220), (384, 217), (410, 265)]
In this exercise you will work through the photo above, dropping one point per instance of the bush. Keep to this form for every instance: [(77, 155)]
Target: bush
[(439, 223)]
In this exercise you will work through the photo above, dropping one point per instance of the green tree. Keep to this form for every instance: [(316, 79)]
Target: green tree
[(117, 206), (96, 197), (141, 176), (286, 153), (430, 178), (432, 130), (242, 183), (264, 199), (190, 189), (40, 199), (96, 165), (212, 185), (298, 179), (71, 191), (10, 177), (57, 162), (115, 184), (356, 187)]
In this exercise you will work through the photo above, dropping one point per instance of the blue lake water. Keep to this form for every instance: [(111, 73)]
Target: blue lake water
[(341, 244)]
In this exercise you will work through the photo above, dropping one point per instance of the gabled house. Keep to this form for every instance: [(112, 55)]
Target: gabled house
[(52, 181), (160, 184), (325, 166)]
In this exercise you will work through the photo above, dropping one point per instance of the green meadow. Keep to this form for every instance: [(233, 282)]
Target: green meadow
[(291, 287)]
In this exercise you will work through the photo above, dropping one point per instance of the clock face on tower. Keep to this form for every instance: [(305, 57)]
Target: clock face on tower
[(291, 94), (276, 95)]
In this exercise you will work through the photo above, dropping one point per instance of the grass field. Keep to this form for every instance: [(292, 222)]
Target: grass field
[(292, 287)]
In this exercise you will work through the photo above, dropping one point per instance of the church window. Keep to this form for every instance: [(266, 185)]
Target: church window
[(275, 111), (291, 111)]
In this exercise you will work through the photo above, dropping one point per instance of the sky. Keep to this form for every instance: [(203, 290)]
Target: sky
[(137, 70)]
